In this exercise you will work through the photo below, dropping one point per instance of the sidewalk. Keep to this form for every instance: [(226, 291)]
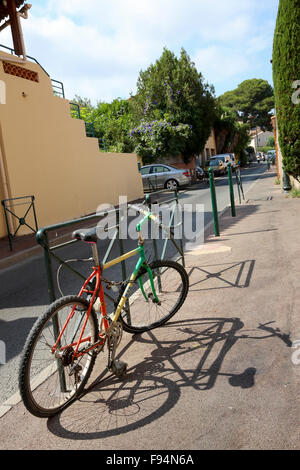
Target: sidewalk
[(220, 374)]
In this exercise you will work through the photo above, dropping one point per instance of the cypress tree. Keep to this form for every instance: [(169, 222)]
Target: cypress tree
[(286, 77)]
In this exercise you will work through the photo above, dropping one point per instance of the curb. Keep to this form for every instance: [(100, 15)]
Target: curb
[(21, 256)]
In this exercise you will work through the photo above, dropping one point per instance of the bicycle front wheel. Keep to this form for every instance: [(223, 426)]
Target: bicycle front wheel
[(48, 380), (143, 311)]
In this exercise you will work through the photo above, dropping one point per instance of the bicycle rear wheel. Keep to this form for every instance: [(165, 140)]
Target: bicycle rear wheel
[(47, 381), (171, 285)]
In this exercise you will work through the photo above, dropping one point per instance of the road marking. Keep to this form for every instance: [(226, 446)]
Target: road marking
[(8, 404), (208, 249)]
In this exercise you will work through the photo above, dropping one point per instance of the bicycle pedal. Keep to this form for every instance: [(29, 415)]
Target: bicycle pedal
[(119, 368)]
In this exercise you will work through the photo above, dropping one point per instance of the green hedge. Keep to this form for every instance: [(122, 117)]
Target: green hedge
[(286, 71)]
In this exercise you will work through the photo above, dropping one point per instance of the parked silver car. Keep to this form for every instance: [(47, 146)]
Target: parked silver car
[(157, 176)]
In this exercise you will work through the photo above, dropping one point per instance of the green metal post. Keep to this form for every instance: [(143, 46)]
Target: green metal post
[(43, 237), (121, 246), (238, 186), (51, 290), (180, 239), (286, 182), (231, 190), (214, 201), (7, 226)]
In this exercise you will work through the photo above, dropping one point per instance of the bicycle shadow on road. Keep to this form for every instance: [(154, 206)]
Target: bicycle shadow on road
[(183, 356), (221, 276)]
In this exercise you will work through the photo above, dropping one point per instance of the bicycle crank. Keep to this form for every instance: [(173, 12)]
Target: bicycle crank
[(114, 336)]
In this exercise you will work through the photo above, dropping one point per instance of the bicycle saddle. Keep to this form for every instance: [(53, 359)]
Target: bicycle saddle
[(86, 235)]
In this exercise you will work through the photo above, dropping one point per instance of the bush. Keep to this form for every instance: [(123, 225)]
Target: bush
[(265, 149), (158, 139), (172, 91), (295, 193), (286, 59)]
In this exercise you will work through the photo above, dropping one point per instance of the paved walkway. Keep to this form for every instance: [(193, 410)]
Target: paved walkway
[(220, 374)]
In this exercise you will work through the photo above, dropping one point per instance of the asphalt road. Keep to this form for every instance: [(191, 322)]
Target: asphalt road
[(23, 288)]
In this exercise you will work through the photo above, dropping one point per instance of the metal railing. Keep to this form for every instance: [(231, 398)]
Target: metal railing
[(89, 126), (76, 110), (58, 87), (89, 129), (8, 207), (239, 184), (102, 144)]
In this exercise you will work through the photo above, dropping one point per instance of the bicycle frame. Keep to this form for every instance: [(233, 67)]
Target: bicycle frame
[(98, 291)]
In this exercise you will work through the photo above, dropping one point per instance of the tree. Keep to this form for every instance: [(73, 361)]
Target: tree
[(230, 134), (159, 139), (172, 90), (286, 59), (82, 102), (252, 101), (111, 121)]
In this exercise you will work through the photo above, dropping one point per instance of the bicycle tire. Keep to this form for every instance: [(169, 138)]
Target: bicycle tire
[(146, 315), (40, 388)]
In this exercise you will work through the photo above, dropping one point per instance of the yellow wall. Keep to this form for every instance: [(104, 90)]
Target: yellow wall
[(2, 220), (48, 155)]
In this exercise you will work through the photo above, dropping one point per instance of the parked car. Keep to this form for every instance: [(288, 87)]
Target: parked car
[(157, 176), (224, 158), (271, 154), (232, 160), (217, 164), (228, 157)]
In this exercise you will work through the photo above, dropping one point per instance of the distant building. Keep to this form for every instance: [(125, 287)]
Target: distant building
[(208, 151), (260, 139)]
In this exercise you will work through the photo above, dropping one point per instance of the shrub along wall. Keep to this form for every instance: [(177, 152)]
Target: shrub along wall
[(286, 76)]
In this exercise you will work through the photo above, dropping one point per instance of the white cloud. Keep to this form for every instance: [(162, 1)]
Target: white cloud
[(104, 44), (218, 65)]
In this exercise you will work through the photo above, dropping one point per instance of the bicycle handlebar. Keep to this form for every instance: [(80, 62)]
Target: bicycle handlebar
[(149, 215)]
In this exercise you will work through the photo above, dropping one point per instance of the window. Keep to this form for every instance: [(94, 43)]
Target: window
[(159, 169), (145, 170)]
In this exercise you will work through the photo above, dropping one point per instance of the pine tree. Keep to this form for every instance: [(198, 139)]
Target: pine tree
[(286, 77)]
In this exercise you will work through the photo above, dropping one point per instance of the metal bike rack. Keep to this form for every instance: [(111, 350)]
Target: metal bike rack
[(170, 227), (8, 205), (239, 184)]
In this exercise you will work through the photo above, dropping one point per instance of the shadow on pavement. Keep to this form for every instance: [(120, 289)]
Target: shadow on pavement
[(183, 355), (11, 329), (228, 275)]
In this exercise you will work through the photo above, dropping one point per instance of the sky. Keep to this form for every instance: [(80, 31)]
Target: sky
[(98, 47)]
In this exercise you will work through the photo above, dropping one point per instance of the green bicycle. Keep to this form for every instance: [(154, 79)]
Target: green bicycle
[(62, 347)]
